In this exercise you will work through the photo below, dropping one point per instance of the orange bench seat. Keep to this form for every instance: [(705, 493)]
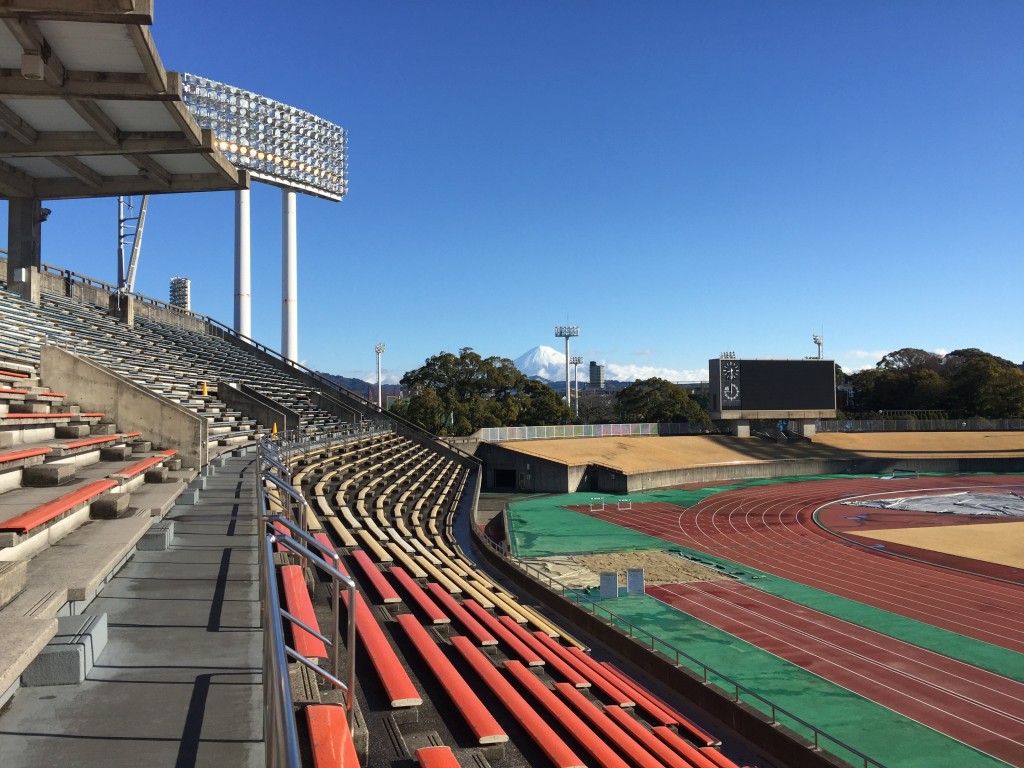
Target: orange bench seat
[(299, 604), (44, 513), (25, 453), (436, 757), (398, 686), (139, 467), (480, 721), (543, 735), (330, 739)]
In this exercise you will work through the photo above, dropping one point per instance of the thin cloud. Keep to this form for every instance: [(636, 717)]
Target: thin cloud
[(616, 372)]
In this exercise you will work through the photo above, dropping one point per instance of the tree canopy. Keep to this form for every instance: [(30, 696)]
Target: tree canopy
[(459, 394), (965, 383), (654, 399)]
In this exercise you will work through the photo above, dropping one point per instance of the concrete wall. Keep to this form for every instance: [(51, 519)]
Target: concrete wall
[(131, 407), (538, 475)]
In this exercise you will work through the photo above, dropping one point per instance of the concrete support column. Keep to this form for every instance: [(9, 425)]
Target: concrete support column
[(24, 246), (289, 278), (808, 428), (243, 286)]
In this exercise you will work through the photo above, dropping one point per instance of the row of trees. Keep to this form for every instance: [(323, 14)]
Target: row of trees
[(964, 383), (459, 394)]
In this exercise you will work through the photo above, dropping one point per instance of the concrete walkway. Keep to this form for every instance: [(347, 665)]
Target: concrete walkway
[(179, 683)]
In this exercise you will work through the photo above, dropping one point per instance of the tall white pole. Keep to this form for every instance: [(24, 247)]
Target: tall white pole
[(289, 278), (380, 350), (243, 286), (568, 392)]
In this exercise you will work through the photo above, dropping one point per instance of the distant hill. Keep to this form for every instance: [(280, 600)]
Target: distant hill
[(361, 387)]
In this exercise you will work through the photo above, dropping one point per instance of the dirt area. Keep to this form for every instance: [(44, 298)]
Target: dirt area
[(1001, 542), (651, 454), (581, 571)]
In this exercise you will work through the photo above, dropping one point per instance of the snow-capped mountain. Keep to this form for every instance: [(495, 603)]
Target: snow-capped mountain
[(542, 362)]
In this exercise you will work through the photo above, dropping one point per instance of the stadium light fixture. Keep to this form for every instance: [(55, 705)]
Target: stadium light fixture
[(567, 332), (274, 142)]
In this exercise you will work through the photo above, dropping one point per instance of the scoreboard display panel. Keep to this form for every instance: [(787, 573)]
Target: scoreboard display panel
[(772, 386)]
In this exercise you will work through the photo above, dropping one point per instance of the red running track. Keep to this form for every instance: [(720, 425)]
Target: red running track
[(977, 707), (770, 528)]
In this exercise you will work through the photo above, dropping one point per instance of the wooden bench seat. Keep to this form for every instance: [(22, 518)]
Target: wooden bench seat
[(39, 516), (543, 735), (480, 721)]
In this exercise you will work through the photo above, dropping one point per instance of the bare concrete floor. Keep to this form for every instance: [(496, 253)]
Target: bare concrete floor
[(179, 683)]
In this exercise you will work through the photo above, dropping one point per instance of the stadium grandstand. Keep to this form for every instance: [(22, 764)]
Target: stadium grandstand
[(210, 555)]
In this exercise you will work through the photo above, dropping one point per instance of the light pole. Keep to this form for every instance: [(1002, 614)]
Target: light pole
[(576, 360), (819, 341), (567, 332), (380, 349)]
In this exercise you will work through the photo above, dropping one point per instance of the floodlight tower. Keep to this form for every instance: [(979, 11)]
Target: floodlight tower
[(576, 360), (819, 341), (380, 350), (567, 332)]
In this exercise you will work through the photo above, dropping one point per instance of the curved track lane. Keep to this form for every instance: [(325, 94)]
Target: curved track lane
[(771, 528), (979, 708)]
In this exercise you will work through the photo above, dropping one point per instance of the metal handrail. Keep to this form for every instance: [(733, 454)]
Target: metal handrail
[(635, 633), (279, 719)]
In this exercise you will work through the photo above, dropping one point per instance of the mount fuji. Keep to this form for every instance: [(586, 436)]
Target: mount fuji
[(542, 363)]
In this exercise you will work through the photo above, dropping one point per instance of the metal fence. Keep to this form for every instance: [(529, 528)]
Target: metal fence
[(278, 528), (920, 425), (735, 690), (644, 429)]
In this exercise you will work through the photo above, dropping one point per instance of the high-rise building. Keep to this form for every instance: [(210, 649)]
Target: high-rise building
[(596, 375), (181, 292)]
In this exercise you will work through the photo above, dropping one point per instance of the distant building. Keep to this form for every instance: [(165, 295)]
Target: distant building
[(181, 292), (596, 375)]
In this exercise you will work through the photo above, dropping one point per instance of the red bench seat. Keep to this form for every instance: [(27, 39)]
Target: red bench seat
[(330, 739), (543, 735), (373, 573), (139, 467), (480, 721), (44, 513), (398, 686), (26, 453), (436, 757), (298, 603)]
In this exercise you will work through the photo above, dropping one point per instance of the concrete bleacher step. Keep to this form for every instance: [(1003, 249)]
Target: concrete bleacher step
[(12, 580), (70, 655)]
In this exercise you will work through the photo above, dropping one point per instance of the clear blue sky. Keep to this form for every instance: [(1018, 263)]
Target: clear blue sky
[(677, 178)]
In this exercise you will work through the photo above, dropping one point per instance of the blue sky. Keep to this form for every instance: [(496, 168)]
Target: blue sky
[(678, 179)]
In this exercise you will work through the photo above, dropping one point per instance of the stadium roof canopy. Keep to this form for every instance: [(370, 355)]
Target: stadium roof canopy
[(88, 110)]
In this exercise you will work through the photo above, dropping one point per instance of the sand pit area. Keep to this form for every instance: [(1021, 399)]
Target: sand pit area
[(581, 571), (1000, 542)]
